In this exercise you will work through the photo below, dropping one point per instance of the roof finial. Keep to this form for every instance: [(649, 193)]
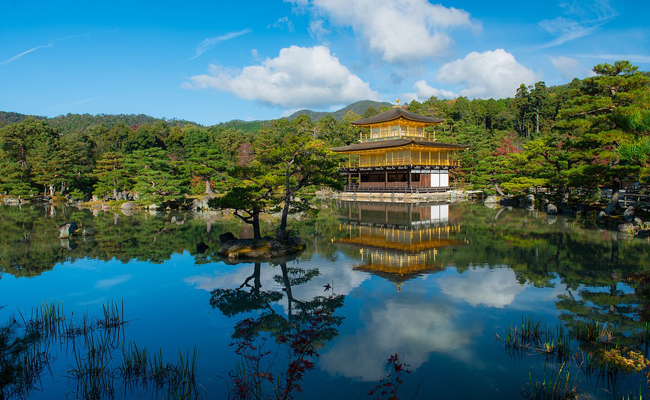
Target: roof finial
[(397, 103)]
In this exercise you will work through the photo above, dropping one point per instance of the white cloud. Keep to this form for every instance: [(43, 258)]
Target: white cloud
[(584, 17), (493, 288), (414, 328), (45, 46), (570, 68), (282, 23), (17, 56), (209, 43), (317, 28), (299, 77), (399, 30), (111, 282), (424, 91), (495, 74)]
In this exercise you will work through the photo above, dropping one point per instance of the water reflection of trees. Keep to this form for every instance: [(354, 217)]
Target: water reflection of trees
[(593, 265), (30, 245), (298, 332)]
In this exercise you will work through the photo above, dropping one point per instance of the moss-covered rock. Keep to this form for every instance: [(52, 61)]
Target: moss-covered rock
[(261, 249)]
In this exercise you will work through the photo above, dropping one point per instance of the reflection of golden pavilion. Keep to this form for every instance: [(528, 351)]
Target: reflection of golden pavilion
[(398, 241)]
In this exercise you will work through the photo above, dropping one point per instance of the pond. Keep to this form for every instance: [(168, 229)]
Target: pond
[(422, 299)]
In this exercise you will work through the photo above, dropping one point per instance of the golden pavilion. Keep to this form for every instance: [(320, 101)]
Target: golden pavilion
[(397, 154)]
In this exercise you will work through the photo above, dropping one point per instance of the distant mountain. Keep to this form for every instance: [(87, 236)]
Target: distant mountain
[(82, 122), (359, 107), (246, 126), (7, 117)]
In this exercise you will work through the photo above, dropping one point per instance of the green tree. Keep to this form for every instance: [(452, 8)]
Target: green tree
[(248, 202), (111, 174), (155, 177), (592, 124), (297, 160)]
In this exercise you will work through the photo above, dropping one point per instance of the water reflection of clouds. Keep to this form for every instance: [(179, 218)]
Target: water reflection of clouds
[(340, 276), (413, 327), (489, 287), (109, 283)]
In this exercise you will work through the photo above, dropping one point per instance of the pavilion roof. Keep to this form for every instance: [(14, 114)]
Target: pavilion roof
[(413, 248), (398, 274), (385, 144), (396, 113)]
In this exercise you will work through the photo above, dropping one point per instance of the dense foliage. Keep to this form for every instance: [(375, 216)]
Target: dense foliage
[(586, 134)]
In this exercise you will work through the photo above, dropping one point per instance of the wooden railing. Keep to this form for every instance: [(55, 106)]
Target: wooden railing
[(397, 162), (627, 197), (402, 189), (368, 137)]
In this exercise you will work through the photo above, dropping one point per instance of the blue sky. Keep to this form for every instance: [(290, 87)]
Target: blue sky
[(216, 61)]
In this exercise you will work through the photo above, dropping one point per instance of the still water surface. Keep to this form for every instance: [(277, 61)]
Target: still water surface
[(436, 284)]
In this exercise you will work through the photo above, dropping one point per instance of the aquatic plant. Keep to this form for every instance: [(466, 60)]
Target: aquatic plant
[(623, 360), (26, 351), (556, 385), (23, 357), (592, 331), (533, 335)]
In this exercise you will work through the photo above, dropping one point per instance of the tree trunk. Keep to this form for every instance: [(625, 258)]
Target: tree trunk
[(208, 189), (256, 225), (282, 230), (257, 285), (287, 288)]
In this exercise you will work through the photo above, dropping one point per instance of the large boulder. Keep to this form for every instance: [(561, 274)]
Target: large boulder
[(266, 248), (227, 237), (10, 201), (551, 209), (129, 205), (626, 228), (68, 229), (202, 204), (201, 247), (491, 200), (629, 214)]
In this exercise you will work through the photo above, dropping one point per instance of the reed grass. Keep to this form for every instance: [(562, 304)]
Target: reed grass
[(25, 352), (591, 332), (556, 385), (532, 335)]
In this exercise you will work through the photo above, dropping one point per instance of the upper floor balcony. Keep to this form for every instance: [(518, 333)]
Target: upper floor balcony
[(395, 162), (396, 131)]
